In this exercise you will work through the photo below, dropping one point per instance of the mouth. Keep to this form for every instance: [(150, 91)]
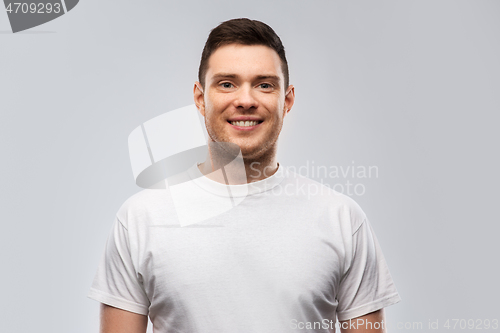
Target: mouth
[(245, 124)]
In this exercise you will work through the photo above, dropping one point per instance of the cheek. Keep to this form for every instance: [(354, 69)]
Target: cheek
[(217, 101), (274, 105)]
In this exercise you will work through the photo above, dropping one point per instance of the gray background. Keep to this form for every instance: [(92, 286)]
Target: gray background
[(408, 86)]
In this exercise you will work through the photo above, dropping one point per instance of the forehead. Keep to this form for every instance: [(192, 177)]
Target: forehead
[(244, 60)]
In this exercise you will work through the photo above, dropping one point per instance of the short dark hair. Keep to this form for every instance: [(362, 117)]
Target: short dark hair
[(246, 32)]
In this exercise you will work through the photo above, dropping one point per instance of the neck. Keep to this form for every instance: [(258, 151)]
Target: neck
[(228, 167)]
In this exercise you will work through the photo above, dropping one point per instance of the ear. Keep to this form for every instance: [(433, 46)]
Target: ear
[(289, 100), (199, 98)]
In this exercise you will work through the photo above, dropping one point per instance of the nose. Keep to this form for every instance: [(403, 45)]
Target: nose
[(245, 98)]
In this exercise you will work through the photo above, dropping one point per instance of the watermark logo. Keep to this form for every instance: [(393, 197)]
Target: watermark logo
[(27, 14), (349, 179), (165, 152)]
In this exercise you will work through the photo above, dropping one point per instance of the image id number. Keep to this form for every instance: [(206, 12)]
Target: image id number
[(478, 324), (39, 8)]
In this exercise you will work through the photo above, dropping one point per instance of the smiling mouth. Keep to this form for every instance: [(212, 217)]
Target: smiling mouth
[(245, 123)]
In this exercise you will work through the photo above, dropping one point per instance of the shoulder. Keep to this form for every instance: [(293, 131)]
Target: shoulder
[(324, 197), (142, 206)]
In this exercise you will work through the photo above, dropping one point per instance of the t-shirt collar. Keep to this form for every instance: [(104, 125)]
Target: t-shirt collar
[(242, 190)]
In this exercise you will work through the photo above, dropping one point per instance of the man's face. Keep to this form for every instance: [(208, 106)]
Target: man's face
[(244, 100)]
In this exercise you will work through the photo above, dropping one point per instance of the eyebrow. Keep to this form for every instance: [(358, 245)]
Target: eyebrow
[(219, 76)]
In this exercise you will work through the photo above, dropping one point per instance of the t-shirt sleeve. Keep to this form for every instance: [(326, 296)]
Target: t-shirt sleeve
[(367, 285), (116, 282)]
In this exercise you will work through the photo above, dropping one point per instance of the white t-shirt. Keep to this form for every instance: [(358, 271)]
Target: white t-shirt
[(291, 254)]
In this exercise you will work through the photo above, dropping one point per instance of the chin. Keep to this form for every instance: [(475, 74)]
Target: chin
[(252, 153)]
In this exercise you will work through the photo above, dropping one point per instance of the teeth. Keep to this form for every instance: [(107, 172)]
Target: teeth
[(244, 123)]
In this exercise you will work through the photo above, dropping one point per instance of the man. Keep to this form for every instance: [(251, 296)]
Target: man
[(284, 259)]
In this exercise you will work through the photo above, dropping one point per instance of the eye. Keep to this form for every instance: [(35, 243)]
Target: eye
[(265, 86), (226, 85)]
